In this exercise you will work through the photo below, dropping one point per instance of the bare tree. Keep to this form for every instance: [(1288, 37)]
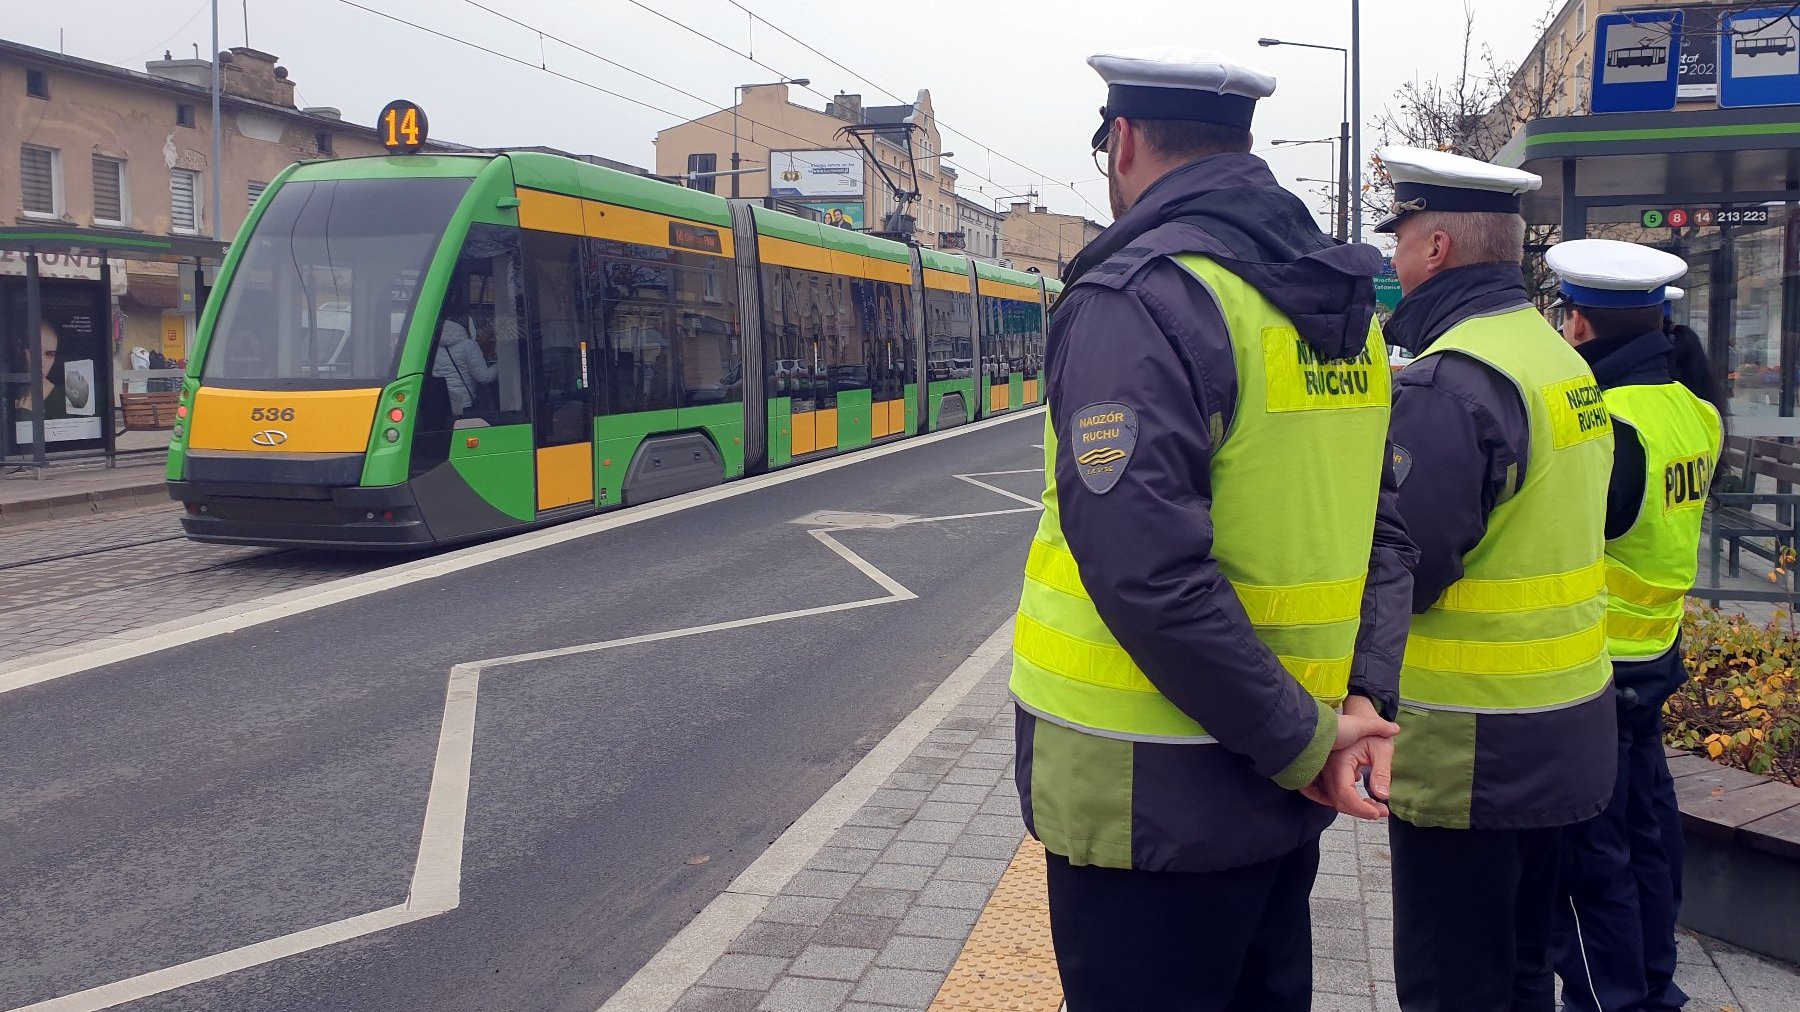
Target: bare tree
[(1475, 111)]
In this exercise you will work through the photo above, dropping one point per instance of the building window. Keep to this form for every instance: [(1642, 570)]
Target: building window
[(322, 141), (255, 192), (40, 181), (708, 162), (37, 84), (184, 114), (109, 191), (184, 201)]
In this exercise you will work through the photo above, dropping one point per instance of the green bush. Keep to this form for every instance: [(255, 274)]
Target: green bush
[(1739, 707)]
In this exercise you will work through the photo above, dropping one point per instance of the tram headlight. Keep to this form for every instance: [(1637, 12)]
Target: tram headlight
[(393, 435)]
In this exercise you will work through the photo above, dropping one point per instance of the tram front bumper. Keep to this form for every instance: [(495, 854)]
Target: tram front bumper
[(301, 516)]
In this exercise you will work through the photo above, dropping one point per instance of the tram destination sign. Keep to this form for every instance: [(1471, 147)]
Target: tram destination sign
[(402, 127), (1705, 217)]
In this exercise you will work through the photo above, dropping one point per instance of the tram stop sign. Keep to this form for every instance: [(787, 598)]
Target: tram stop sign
[(1387, 285), (402, 127)]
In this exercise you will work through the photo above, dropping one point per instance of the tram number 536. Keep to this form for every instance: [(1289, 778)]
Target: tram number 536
[(271, 414), (403, 127)]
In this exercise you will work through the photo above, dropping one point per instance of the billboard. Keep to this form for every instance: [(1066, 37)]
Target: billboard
[(839, 213), (816, 175)]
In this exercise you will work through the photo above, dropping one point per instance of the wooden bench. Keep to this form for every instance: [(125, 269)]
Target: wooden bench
[(150, 410), (1742, 876), (1733, 519)]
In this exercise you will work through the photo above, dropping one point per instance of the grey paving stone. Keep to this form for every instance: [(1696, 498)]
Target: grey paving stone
[(1386, 998), (1758, 999), (934, 750), (902, 800), (963, 895), (944, 811), (1337, 862), (1706, 988), (978, 775), (1689, 952), (897, 876), (938, 922), (1381, 962), (806, 994), (962, 723), (1337, 840), (833, 962), (857, 1006), (797, 910), (1746, 971), (829, 884), (766, 938), (973, 794), (1342, 1003), (879, 902), (1332, 912), (916, 852), (1341, 976), (856, 931), (987, 760), (709, 999), (908, 952), (971, 869), (886, 818), (984, 846), (994, 745), (843, 859), (863, 837), (745, 972), (925, 831), (912, 782), (910, 988), (1340, 943), (932, 765), (998, 825), (953, 736)]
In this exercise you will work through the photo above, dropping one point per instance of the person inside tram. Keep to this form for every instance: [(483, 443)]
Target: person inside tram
[(460, 362)]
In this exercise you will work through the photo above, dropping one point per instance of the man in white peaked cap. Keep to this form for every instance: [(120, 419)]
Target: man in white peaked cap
[(1218, 566)]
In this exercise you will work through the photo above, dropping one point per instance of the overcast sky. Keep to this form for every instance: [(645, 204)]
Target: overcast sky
[(1008, 79)]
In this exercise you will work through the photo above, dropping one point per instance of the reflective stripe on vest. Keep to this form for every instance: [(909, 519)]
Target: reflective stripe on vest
[(1651, 567), (1295, 481), (1524, 629)]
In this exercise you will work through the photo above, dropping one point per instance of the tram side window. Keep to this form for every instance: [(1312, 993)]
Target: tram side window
[(949, 352), (479, 363), (558, 335), (706, 324), (846, 340), (630, 300)]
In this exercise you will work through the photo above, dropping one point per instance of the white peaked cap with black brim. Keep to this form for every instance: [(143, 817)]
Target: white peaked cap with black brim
[(1609, 274), (1178, 83), (1427, 180)]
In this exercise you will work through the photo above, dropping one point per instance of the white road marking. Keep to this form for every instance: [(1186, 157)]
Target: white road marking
[(38, 668), (437, 874), (681, 963)]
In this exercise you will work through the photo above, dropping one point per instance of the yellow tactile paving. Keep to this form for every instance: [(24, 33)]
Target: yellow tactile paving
[(1008, 963)]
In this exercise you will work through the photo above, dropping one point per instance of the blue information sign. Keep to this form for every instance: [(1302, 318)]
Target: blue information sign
[(1637, 61), (1759, 58)]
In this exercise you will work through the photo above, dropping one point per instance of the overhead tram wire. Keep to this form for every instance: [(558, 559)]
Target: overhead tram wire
[(941, 122), (552, 36), (571, 79), (742, 54)]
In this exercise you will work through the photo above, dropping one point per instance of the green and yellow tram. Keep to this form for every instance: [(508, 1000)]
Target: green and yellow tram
[(409, 350)]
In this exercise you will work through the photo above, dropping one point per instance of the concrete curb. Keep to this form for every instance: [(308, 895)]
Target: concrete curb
[(62, 505)]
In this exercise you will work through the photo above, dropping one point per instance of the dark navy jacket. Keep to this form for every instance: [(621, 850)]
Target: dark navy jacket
[(1136, 328), (1464, 441), (1634, 360)]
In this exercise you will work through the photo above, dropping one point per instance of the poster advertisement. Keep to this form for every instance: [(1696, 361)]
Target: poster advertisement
[(816, 175), (839, 213), (67, 372)]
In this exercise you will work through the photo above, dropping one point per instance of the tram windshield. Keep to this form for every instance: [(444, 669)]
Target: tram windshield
[(326, 287)]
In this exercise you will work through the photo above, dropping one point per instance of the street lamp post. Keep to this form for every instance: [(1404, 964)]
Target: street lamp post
[(1337, 187), (1343, 224), (735, 92)]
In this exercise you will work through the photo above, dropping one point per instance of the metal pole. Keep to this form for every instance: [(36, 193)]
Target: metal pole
[(1343, 222), (106, 392), (1356, 222), (734, 148), (34, 326), (218, 131)]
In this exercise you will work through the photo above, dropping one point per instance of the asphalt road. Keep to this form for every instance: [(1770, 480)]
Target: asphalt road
[(250, 785)]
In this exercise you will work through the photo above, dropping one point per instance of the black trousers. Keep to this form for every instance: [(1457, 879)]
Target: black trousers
[(1227, 941), (1472, 916), (1614, 943)]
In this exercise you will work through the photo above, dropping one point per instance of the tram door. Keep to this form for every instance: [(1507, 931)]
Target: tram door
[(562, 409)]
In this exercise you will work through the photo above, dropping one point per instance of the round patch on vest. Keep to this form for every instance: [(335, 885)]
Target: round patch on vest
[(1102, 437)]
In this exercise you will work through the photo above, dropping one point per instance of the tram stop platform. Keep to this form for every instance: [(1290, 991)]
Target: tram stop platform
[(73, 488), (929, 896)]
